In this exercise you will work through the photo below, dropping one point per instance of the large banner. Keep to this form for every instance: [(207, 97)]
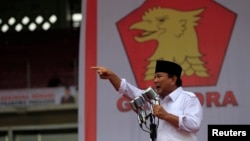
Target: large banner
[(31, 97), (208, 38)]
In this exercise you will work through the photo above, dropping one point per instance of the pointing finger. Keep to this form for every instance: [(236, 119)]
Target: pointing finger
[(95, 67)]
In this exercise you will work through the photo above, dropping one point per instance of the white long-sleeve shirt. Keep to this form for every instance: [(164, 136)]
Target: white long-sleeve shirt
[(181, 103)]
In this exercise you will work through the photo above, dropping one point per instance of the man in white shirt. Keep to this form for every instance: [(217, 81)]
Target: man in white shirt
[(180, 112)]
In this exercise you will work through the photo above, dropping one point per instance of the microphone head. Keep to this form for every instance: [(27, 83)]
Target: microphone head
[(137, 103), (150, 94), (132, 104)]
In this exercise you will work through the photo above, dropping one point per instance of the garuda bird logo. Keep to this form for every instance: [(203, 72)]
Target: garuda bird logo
[(176, 36)]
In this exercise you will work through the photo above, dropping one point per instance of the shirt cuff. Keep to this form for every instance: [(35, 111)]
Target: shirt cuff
[(121, 90)]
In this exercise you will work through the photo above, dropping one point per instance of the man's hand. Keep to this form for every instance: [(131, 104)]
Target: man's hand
[(159, 111), (104, 73)]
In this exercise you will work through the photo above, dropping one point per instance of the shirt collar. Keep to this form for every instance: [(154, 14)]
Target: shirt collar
[(174, 94)]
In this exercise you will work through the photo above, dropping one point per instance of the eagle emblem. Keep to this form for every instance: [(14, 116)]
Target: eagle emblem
[(176, 38)]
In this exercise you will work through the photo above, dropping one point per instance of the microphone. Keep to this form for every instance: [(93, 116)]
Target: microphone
[(138, 105), (151, 96), (148, 96)]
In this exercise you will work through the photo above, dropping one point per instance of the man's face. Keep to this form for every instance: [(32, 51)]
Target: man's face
[(163, 84)]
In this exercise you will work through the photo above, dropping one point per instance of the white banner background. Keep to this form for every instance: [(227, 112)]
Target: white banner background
[(112, 124)]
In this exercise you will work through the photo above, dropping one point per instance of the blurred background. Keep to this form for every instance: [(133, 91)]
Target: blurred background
[(39, 42)]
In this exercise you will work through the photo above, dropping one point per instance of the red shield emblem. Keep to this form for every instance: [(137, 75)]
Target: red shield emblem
[(195, 34)]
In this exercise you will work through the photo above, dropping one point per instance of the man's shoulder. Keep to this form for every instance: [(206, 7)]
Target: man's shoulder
[(189, 94)]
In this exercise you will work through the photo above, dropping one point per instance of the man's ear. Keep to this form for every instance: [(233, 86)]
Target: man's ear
[(173, 80)]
